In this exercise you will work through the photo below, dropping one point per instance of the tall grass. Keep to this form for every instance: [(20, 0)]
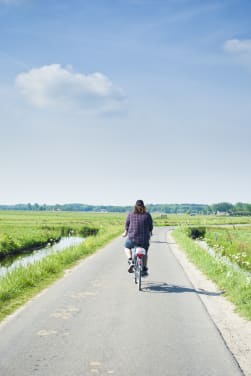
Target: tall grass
[(21, 231), (235, 243), (198, 220), (236, 284), (22, 283)]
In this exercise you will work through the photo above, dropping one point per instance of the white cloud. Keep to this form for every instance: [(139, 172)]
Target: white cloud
[(238, 46), (240, 51), (52, 86)]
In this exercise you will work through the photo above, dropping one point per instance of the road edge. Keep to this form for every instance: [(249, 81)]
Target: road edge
[(235, 330)]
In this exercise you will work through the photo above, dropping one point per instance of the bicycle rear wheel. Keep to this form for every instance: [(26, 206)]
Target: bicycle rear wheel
[(138, 265), (135, 276), (139, 277), (135, 270), (139, 271)]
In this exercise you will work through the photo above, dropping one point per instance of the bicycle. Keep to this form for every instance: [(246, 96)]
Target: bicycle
[(138, 260)]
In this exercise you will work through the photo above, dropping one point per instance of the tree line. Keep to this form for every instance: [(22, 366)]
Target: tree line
[(192, 209)]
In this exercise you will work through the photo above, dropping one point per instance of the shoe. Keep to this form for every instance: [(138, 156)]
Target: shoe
[(131, 266), (145, 272)]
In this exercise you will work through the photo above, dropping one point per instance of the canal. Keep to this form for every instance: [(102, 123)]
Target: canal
[(10, 263)]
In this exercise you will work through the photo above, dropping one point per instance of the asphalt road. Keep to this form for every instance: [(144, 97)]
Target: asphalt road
[(94, 321)]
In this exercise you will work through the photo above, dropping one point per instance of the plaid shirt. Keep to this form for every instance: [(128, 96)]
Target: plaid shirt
[(139, 227)]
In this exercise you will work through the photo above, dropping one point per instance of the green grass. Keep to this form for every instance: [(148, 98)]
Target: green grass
[(235, 284), (26, 230), (197, 220), (18, 286), (234, 242)]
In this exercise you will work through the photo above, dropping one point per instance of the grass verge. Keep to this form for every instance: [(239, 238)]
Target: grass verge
[(20, 285), (236, 284)]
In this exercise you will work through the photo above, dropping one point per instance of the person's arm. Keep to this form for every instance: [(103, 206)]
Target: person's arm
[(150, 224), (127, 225)]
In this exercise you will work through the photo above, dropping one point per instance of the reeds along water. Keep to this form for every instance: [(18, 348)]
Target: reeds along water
[(11, 263)]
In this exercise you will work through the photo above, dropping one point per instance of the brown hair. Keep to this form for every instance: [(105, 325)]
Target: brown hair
[(139, 209)]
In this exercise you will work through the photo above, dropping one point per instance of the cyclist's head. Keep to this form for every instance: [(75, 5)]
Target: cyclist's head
[(140, 203), (139, 207)]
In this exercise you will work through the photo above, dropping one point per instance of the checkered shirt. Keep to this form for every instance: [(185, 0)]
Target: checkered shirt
[(139, 227)]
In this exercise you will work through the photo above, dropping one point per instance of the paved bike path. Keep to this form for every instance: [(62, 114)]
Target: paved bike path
[(95, 322)]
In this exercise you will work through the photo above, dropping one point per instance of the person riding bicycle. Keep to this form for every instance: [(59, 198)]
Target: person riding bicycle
[(138, 229)]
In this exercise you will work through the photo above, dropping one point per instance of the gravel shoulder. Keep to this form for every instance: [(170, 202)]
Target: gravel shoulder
[(235, 330)]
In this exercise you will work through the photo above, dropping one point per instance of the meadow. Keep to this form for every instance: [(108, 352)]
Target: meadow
[(229, 241), (32, 228), (233, 242), (198, 220), (21, 231)]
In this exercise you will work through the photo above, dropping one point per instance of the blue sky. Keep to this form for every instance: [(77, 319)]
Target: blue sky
[(105, 102)]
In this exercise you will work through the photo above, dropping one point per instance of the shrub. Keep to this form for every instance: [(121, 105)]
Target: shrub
[(196, 232), (88, 231), (7, 244)]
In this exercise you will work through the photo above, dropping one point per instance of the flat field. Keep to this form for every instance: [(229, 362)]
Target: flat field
[(233, 242), (27, 229), (198, 220), (223, 233), (22, 230), (19, 230)]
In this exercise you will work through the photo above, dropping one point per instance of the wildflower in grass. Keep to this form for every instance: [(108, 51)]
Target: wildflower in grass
[(248, 281), (229, 274), (246, 263)]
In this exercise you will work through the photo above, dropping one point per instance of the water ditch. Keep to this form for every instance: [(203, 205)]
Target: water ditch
[(13, 262), (224, 259)]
